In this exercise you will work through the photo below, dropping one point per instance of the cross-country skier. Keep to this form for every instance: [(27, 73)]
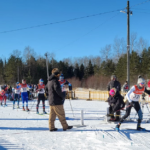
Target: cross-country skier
[(24, 94), (17, 95), (116, 103), (63, 84), (41, 96), (3, 96), (133, 97)]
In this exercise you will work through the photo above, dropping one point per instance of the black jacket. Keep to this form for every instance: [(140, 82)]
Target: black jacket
[(114, 84), (53, 90), (117, 100)]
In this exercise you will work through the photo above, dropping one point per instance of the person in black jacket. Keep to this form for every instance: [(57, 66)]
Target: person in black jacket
[(55, 97), (114, 84), (116, 103)]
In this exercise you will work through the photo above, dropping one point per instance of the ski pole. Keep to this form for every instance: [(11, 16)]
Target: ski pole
[(71, 108), (32, 105)]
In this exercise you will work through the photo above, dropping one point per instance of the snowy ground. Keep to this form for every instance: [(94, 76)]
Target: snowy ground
[(29, 131)]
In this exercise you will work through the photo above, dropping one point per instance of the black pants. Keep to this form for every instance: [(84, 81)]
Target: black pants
[(113, 109), (41, 97), (137, 107)]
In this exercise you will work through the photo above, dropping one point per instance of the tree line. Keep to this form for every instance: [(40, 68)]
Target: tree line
[(89, 72)]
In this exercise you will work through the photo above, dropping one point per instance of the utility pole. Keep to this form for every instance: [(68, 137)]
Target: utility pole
[(128, 41), (47, 66), (128, 44)]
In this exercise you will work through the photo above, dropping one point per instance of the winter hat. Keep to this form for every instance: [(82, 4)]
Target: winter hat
[(61, 77), (140, 80), (112, 92), (113, 77)]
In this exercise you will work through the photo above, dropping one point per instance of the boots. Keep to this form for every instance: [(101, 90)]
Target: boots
[(117, 127), (44, 112), (37, 111), (69, 127), (23, 108), (55, 129), (27, 109)]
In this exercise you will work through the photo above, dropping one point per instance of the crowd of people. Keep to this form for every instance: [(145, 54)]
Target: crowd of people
[(55, 92)]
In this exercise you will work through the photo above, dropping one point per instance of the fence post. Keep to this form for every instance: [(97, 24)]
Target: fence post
[(82, 118), (74, 95)]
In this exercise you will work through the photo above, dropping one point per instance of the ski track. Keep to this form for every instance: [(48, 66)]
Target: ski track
[(29, 131)]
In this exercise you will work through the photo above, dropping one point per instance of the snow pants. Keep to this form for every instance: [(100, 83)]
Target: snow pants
[(24, 96), (137, 107), (57, 110), (113, 109), (16, 98), (3, 98), (40, 97)]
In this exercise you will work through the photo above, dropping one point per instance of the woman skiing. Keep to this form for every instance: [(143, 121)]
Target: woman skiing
[(133, 97)]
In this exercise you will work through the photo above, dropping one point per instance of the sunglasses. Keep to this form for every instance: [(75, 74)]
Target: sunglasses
[(142, 83)]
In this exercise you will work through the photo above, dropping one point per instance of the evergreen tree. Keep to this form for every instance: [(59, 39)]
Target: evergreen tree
[(81, 71)]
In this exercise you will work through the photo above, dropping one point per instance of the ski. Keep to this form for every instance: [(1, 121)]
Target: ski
[(143, 130)]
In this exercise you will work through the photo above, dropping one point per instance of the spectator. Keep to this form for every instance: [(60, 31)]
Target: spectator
[(55, 98), (116, 103), (125, 87)]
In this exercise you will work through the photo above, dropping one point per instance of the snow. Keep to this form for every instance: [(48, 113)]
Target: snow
[(26, 130)]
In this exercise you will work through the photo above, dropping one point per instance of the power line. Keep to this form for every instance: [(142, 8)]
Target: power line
[(90, 31), (140, 3), (140, 9), (36, 26)]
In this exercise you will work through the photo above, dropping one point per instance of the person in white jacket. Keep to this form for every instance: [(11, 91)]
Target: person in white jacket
[(133, 97)]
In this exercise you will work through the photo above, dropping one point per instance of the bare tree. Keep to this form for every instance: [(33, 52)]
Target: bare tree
[(142, 43), (118, 48), (133, 40), (106, 52)]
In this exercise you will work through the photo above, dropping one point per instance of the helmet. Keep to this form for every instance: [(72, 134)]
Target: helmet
[(17, 83), (41, 80), (141, 81), (61, 77), (113, 77)]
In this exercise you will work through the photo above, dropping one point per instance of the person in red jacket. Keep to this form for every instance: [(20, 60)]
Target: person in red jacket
[(3, 96), (41, 96), (148, 84)]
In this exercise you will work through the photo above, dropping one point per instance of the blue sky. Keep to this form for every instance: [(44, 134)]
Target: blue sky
[(83, 37)]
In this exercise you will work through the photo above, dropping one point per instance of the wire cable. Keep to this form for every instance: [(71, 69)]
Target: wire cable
[(140, 3), (90, 31), (36, 26)]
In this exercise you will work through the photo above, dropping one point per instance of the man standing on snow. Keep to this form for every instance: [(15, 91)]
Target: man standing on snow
[(114, 84), (55, 97)]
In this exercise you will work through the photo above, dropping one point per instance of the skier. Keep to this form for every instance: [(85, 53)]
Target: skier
[(3, 96), (24, 94), (116, 103), (41, 96), (17, 95), (133, 97), (63, 84)]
